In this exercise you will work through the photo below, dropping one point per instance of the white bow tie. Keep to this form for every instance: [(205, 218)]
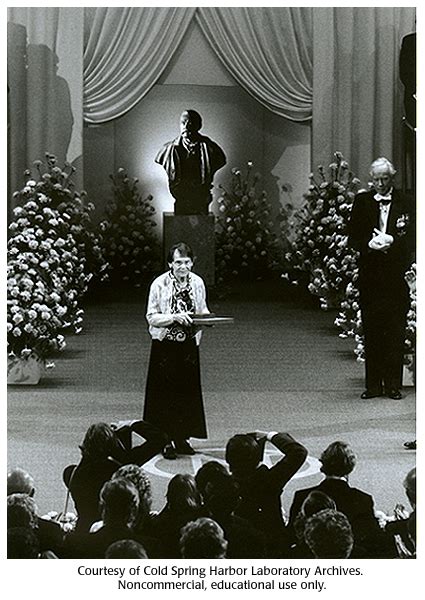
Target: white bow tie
[(380, 198)]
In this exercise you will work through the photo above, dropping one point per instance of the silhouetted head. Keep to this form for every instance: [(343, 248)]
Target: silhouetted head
[(243, 454), (99, 441), (126, 549), (136, 475), (182, 493), (410, 486), (203, 538), (337, 460), (119, 502), (21, 511), (328, 534), (20, 482), (207, 473)]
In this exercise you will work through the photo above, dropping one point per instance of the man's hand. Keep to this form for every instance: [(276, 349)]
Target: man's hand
[(380, 241)]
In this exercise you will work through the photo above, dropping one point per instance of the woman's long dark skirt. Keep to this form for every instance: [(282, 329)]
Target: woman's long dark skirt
[(173, 400)]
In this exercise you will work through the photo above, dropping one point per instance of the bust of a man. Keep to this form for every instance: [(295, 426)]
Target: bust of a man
[(190, 161)]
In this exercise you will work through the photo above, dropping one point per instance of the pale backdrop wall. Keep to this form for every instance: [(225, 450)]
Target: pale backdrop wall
[(279, 149)]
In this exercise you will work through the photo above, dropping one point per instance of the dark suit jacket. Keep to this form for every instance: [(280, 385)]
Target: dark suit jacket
[(370, 541), (261, 490), (378, 271)]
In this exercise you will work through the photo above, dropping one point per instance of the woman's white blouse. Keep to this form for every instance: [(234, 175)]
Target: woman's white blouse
[(158, 314)]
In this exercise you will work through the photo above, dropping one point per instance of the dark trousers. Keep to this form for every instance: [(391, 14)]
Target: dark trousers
[(384, 327), (153, 441)]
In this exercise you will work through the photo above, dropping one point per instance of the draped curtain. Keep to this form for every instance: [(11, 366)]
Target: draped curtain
[(269, 53), (357, 100), (126, 52)]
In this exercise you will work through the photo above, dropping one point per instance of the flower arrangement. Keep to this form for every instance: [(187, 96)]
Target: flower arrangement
[(319, 248), (349, 320), (47, 267), (129, 240), (245, 241)]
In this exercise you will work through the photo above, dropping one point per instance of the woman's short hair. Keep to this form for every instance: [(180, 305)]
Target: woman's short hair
[(184, 250), (140, 480), (182, 493), (22, 542), (99, 441), (337, 459), (328, 534), (119, 502), (203, 538), (126, 549), (21, 511)]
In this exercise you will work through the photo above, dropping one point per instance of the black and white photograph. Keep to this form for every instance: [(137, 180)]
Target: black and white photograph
[(211, 297)]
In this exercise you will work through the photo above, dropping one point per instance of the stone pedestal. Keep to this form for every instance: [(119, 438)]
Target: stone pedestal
[(198, 232)]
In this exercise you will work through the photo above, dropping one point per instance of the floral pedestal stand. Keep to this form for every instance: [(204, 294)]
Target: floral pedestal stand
[(24, 371)]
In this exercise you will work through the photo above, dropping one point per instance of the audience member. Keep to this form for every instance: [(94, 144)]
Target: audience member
[(207, 473), (203, 538), (50, 534), (20, 482), (328, 534), (221, 499), (125, 549), (119, 506), (338, 461), (96, 467), (140, 480), (183, 505), (261, 487), (22, 542), (403, 528), (315, 502)]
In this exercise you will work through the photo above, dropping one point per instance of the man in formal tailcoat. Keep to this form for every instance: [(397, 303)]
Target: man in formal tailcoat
[(382, 229)]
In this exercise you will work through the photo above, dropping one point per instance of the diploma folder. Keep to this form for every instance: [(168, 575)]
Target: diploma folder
[(211, 319)]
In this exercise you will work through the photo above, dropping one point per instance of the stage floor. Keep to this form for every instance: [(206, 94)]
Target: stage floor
[(280, 366)]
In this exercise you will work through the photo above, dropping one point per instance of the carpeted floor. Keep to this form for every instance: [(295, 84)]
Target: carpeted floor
[(280, 366)]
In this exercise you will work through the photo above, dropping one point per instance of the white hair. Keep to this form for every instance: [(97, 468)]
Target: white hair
[(382, 162)]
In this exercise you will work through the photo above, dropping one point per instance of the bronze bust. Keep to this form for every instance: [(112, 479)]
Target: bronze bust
[(190, 161)]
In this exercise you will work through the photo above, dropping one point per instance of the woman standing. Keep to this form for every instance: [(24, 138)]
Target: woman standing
[(173, 400)]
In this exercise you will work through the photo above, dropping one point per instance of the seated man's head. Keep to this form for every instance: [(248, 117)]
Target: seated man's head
[(202, 538), (208, 472), (328, 534), (21, 511), (119, 503), (243, 454), (99, 442), (221, 496), (126, 549), (338, 460), (410, 486), (136, 475), (20, 482)]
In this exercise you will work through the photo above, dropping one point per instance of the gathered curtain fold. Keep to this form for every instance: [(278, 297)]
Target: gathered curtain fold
[(268, 52), (126, 51)]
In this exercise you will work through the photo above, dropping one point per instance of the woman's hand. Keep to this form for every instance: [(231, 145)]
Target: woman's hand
[(182, 318)]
